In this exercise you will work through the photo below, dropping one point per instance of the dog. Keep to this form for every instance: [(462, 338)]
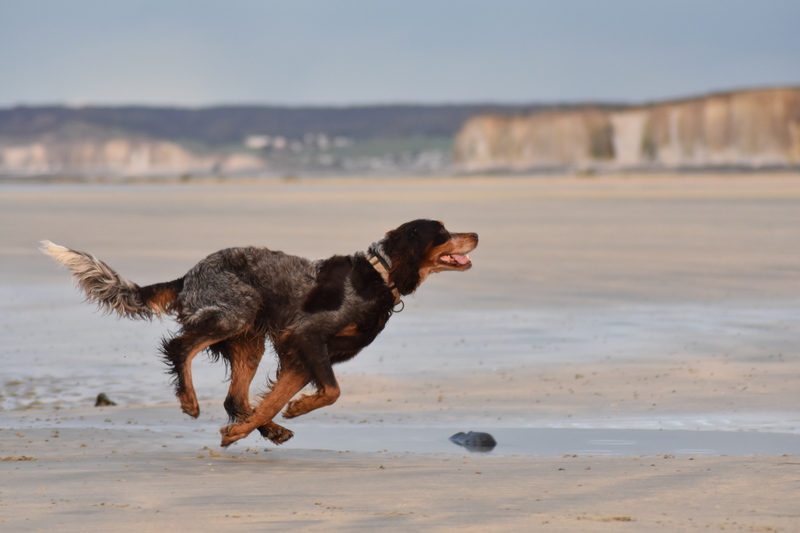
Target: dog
[(314, 313)]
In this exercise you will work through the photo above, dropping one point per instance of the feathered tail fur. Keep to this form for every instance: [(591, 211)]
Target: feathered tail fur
[(110, 291)]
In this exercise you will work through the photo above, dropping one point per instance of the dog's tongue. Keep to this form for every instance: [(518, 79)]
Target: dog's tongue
[(460, 259)]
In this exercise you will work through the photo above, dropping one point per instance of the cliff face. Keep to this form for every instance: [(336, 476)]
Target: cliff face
[(135, 141), (120, 156), (746, 129), (742, 129)]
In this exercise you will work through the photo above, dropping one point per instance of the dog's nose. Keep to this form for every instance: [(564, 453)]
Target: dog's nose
[(474, 236)]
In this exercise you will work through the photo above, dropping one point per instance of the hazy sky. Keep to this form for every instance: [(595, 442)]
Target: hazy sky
[(202, 52)]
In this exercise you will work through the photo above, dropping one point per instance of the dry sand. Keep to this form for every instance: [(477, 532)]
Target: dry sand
[(616, 303)]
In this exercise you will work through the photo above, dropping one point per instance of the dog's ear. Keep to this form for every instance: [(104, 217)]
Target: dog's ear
[(406, 250)]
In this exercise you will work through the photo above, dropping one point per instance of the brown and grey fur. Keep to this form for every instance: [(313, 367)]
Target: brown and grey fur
[(314, 313)]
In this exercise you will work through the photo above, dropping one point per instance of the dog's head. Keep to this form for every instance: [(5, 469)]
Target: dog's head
[(421, 247)]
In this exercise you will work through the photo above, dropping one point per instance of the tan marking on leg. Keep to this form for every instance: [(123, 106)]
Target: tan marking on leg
[(187, 395), (244, 357), (289, 383), (307, 403), (240, 385)]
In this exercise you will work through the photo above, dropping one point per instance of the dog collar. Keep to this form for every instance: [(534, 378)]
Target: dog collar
[(380, 264)]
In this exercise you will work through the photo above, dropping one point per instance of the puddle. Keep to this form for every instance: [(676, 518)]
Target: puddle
[(420, 439), (547, 442)]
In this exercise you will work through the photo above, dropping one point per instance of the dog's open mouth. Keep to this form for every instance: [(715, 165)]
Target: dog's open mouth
[(455, 260)]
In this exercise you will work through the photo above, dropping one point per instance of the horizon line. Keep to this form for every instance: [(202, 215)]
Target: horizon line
[(401, 103)]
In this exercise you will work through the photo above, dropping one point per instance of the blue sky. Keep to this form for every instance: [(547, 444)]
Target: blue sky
[(344, 52)]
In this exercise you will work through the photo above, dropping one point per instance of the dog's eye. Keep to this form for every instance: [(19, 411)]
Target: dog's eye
[(442, 237)]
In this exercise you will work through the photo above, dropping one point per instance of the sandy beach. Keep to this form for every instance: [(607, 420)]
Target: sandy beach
[(631, 342)]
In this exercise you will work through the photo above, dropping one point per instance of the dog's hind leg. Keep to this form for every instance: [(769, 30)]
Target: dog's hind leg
[(244, 353), (178, 353), (206, 323), (288, 383)]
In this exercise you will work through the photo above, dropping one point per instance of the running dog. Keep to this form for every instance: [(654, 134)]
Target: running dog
[(315, 313)]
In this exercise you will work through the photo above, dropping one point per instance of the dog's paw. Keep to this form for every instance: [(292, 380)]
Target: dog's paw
[(294, 408), (190, 407), (193, 412), (277, 434), (231, 434)]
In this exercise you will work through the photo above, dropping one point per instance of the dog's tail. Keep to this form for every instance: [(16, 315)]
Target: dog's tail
[(110, 291)]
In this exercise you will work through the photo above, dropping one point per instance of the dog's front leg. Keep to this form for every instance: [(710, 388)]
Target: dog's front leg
[(326, 395), (289, 383), (319, 365)]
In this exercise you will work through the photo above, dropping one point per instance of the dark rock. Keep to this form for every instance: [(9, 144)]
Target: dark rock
[(475, 441), (103, 400)]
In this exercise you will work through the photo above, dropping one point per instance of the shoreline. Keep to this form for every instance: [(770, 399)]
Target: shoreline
[(421, 436), (132, 479)]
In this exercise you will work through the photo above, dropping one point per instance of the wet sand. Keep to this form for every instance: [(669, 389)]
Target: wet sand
[(631, 342)]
